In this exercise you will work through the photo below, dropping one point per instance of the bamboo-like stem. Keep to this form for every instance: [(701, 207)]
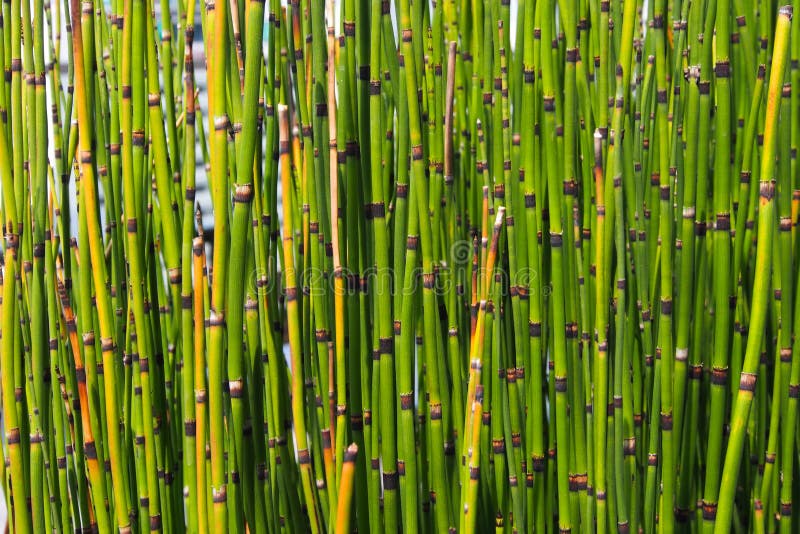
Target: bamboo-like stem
[(290, 288), (242, 198), (346, 489), (470, 454), (108, 344), (439, 482), (194, 499), (762, 280), (219, 123)]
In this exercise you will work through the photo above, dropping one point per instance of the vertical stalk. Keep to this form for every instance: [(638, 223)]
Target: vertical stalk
[(761, 285)]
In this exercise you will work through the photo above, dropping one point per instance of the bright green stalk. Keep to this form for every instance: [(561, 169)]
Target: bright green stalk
[(21, 517), (168, 213), (761, 286), (557, 297), (665, 334), (290, 288), (535, 434), (314, 228), (38, 303), (190, 461), (788, 441), (219, 184), (382, 302), (200, 390), (406, 235), (606, 209), (242, 198), (687, 264), (721, 248), (439, 482)]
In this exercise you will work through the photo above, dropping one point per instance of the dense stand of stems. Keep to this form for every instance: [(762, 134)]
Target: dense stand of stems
[(468, 265)]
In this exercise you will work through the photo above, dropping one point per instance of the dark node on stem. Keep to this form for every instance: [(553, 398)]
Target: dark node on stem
[(90, 450), (88, 339), (719, 376), (220, 495), (390, 480), (406, 401), (561, 384), (235, 387), (528, 76), (573, 482), (189, 427), (699, 228), (13, 436), (681, 515), (629, 446), (322, 335), (666, 421), (428, 280), (709, 511), (375, 210), (106, 345), (498, 446), (402, 190), (155, 523), (303, 457), (744, 177), (767, 190), (356, 423), (326, 438), (243, 193), (748, 382)]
